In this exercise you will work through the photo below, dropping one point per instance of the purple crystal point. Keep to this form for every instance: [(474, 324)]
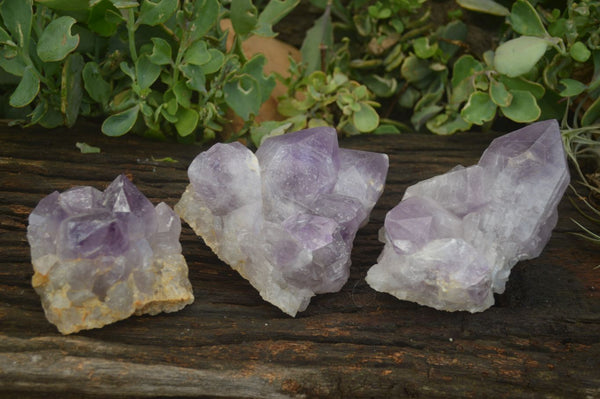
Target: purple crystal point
[(286, 217), (297, 167), (219, 173), (453, 239), (101, 257), (92, 234)]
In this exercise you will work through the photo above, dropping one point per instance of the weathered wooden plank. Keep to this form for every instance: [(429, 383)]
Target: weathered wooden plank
[(542, 338)]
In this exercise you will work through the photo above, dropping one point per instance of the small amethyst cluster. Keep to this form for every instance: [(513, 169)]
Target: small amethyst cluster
[(453, 239), (100, 257), (285, 217)]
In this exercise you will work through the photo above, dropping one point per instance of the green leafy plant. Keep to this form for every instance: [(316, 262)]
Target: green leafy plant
[(551, 66), (547, 63), (321, 99), (160, 68)]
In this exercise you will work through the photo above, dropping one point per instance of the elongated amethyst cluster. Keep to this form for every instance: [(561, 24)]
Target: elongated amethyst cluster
[(284, 218), (100, 257), (453, 239)]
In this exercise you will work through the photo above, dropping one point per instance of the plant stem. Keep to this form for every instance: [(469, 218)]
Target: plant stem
[(131, 34)]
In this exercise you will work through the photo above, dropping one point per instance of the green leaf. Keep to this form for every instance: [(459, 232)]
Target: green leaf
[(217, 59), (523, 108), (64, 5), (27, 90), (161, 52), (462, 92), (4, 36), (244, 16), (499, 94), (85, 148), (127, 70), (415, 69), (51, 119), (187, 120), (38, 112), (183, 94), (104, 18), (273, 13), (380, 85), (154, 13), (564, 27), (479, 109), (13, 65), (423, 115), (319, 38), (146, 72), (592, 115), (255, 68), (572, 87), (453, 32), (518, 56), (146, 110), (165, 160), (387, 129), (206, 15), (167, 114), (464, 67), (71, 91), (241, 95), (485, 6), (268, 129), (56, 41), (556, 68), (196, 79), (444, 124), (365, 119), (579, 52), (552, 105), (409, 97), (520, 83), (197, 53), (525, 20), (363, 24), (595, 81), (17, 16), (423, 48), (379, 11), (120, 123)]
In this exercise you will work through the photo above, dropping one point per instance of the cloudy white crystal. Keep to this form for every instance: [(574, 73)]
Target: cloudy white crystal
[(100, 257), (285, 217), (453, 239)]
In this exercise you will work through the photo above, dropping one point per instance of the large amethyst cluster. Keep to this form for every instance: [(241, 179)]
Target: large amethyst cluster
[(100, 257), (285, 217), (453, 239)]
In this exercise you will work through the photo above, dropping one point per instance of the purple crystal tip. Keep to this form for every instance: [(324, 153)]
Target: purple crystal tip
[(453, 239), (100, 257), (285, 218)]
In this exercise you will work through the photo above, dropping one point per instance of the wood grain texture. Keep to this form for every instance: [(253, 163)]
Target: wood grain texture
[(541, 339)]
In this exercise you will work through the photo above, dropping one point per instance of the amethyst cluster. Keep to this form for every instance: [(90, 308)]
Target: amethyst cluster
[(453, 239), (285, 217), (100, 257)]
